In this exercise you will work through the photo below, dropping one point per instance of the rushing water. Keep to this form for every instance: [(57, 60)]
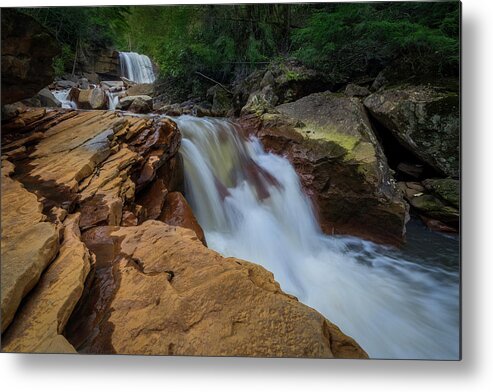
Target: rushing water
[(62, 96), (136, 67), (395, 303)]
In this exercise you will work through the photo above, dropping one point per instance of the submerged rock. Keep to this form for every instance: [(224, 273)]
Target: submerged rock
[(424, 119), (205, 305), (330, 141)]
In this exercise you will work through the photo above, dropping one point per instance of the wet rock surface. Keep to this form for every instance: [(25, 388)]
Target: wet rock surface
[(80, 192), (206, 304), (329, 139)]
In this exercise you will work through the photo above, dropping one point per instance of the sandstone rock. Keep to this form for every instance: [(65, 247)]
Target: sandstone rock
[(139, 105), (342, 167), (29, 244), (153, 198), (99, 63), (141, 89), (205, 304), (126, 102), (48, 100), (353, 90), (39, 324), (72, 149), (92, 99), (177, 212), (27, 56), (425, 120)]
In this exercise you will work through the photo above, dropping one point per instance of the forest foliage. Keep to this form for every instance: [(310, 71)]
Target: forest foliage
[(224, 41)]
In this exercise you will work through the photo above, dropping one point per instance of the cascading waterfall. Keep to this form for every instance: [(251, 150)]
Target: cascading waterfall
[(251, 206), (136, 67)]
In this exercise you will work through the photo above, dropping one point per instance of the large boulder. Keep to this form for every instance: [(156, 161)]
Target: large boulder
[(424, 119), (126, 102), (48, 100), (95, 98), (280, 82), (141, 89), (330, 141), (27, 55), (205, 305)]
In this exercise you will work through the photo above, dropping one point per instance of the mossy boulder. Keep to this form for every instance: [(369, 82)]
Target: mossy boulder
[(425, 120), (278, 83), (329, 139), (447, 189)]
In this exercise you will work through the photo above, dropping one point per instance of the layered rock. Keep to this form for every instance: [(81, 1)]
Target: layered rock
[(331, 143), (205, 305), (39, 324), (27, 56), (436, 201), (29, 243), (425, 119), (115, 170)]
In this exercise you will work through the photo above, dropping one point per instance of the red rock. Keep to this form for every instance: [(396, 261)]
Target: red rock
[(177, 212)]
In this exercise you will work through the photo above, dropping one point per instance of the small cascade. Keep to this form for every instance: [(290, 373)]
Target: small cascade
[(136, 67), (62, 96), (113, 99), (395, 303)]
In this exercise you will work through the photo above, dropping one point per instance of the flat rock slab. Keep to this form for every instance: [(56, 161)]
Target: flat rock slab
[(173, 296)]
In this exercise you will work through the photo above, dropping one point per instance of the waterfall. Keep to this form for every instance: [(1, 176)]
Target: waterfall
[(251, 206), (136, 67)]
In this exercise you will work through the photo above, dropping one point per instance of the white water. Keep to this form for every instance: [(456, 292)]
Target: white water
[(62, 96), (113, 99), (251, 206), (136, 67)]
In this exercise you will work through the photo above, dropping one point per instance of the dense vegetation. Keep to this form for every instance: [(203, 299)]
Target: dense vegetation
[(342, 40)]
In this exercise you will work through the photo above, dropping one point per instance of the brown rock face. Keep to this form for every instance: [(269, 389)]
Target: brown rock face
[(29, 243), (153, 288), (27, 55), (177, 212), (342, 167), (39, 324), (205, 305)]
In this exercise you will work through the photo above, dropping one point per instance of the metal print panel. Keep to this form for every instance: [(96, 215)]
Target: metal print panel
[(265, 180)]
